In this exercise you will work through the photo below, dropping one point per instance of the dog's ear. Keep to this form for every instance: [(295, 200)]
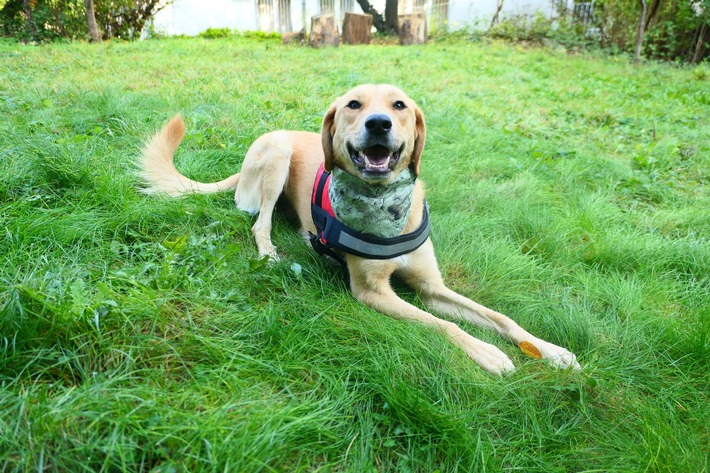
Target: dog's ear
[(419, 139), (327, 132)]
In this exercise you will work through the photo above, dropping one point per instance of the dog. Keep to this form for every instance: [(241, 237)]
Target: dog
[(371, 142)]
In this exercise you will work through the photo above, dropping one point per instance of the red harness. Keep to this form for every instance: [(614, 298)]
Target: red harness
[(321, 192)]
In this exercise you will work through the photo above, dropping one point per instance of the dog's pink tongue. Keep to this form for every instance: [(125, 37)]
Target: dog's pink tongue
[(377, 155)]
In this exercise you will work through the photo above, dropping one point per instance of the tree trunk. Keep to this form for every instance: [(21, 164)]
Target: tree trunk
[(30, 20), (412, 29), (391, 15), (324, 31), (357, 29), (377, 19), (641, 31), (91, 20), (652, 12), (699, 46), (499, 7)]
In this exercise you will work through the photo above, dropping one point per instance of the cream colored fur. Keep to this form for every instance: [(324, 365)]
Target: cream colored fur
[(158, 170), (286, 162)]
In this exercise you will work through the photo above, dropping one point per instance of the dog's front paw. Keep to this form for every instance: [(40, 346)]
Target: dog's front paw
[(487, 356), (556, 356), (269, 255)]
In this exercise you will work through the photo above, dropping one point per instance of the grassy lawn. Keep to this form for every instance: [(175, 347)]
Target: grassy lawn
[(143, 334)]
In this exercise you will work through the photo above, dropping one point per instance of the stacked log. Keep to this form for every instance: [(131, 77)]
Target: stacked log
[(357, 28), (412, 29), (324, 31), (298, 37)]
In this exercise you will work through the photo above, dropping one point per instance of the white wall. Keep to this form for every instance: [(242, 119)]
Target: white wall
[(467, 12), (190, 17)]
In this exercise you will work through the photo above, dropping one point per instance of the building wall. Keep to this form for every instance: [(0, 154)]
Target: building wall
[(190, 17)]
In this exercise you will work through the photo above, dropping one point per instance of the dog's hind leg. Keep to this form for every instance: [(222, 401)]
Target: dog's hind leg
[(263, 177)]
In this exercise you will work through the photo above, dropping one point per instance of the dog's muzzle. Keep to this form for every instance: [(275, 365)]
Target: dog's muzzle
[(377, 160)]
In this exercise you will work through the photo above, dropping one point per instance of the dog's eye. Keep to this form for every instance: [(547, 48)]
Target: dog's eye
[(354, 105), (399, 105)]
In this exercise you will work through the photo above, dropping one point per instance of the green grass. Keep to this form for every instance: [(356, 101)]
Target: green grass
[(143, 334)]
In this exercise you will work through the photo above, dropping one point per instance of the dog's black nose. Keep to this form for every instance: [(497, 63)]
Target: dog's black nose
[(378, 124)]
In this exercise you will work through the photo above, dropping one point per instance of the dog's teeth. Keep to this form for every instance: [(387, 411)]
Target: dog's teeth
[(369, 164), (378, 166)]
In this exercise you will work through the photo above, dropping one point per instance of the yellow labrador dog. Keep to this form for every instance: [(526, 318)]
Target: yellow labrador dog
[(371, 140)]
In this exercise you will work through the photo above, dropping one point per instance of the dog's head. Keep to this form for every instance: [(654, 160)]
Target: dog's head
[(374, 132)]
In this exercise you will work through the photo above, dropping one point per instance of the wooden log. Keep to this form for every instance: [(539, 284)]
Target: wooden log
[(298, 37), (324, 31), (412, 29), (357, 28)]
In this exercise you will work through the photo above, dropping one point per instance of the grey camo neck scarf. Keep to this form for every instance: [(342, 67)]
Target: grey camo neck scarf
[(380, 210)]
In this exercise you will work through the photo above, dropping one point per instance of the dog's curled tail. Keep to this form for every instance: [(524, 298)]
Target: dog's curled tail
[(158, 170)]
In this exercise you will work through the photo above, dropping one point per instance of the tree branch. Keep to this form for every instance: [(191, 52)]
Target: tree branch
[(377, 19), (641, 31)]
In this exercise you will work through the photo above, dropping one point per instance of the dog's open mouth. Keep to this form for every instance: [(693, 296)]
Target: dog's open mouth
[(376, 160)]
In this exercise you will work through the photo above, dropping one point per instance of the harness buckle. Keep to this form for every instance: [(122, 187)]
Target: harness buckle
[(324, 250)]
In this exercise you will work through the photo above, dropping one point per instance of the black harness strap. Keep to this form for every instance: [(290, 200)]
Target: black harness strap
[(333, 234)]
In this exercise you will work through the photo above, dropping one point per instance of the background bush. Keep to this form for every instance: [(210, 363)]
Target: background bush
[(47, 20), (676, 29)]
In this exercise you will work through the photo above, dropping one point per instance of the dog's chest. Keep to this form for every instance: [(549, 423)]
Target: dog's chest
[(380, 210)]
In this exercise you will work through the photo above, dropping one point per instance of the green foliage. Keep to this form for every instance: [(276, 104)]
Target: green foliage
[(214, 33), (541, 29), (260, 35), (702, 72), (677, 29), (144, 333), (124, 19), (50, 20)]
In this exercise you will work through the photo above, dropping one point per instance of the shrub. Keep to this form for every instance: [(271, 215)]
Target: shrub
[(676, 29), (540, 28), (214, 33), (47, 20)]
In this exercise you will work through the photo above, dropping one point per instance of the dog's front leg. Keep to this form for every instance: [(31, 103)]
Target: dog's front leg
[(422, 274), (443, 300), (369, 281)]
